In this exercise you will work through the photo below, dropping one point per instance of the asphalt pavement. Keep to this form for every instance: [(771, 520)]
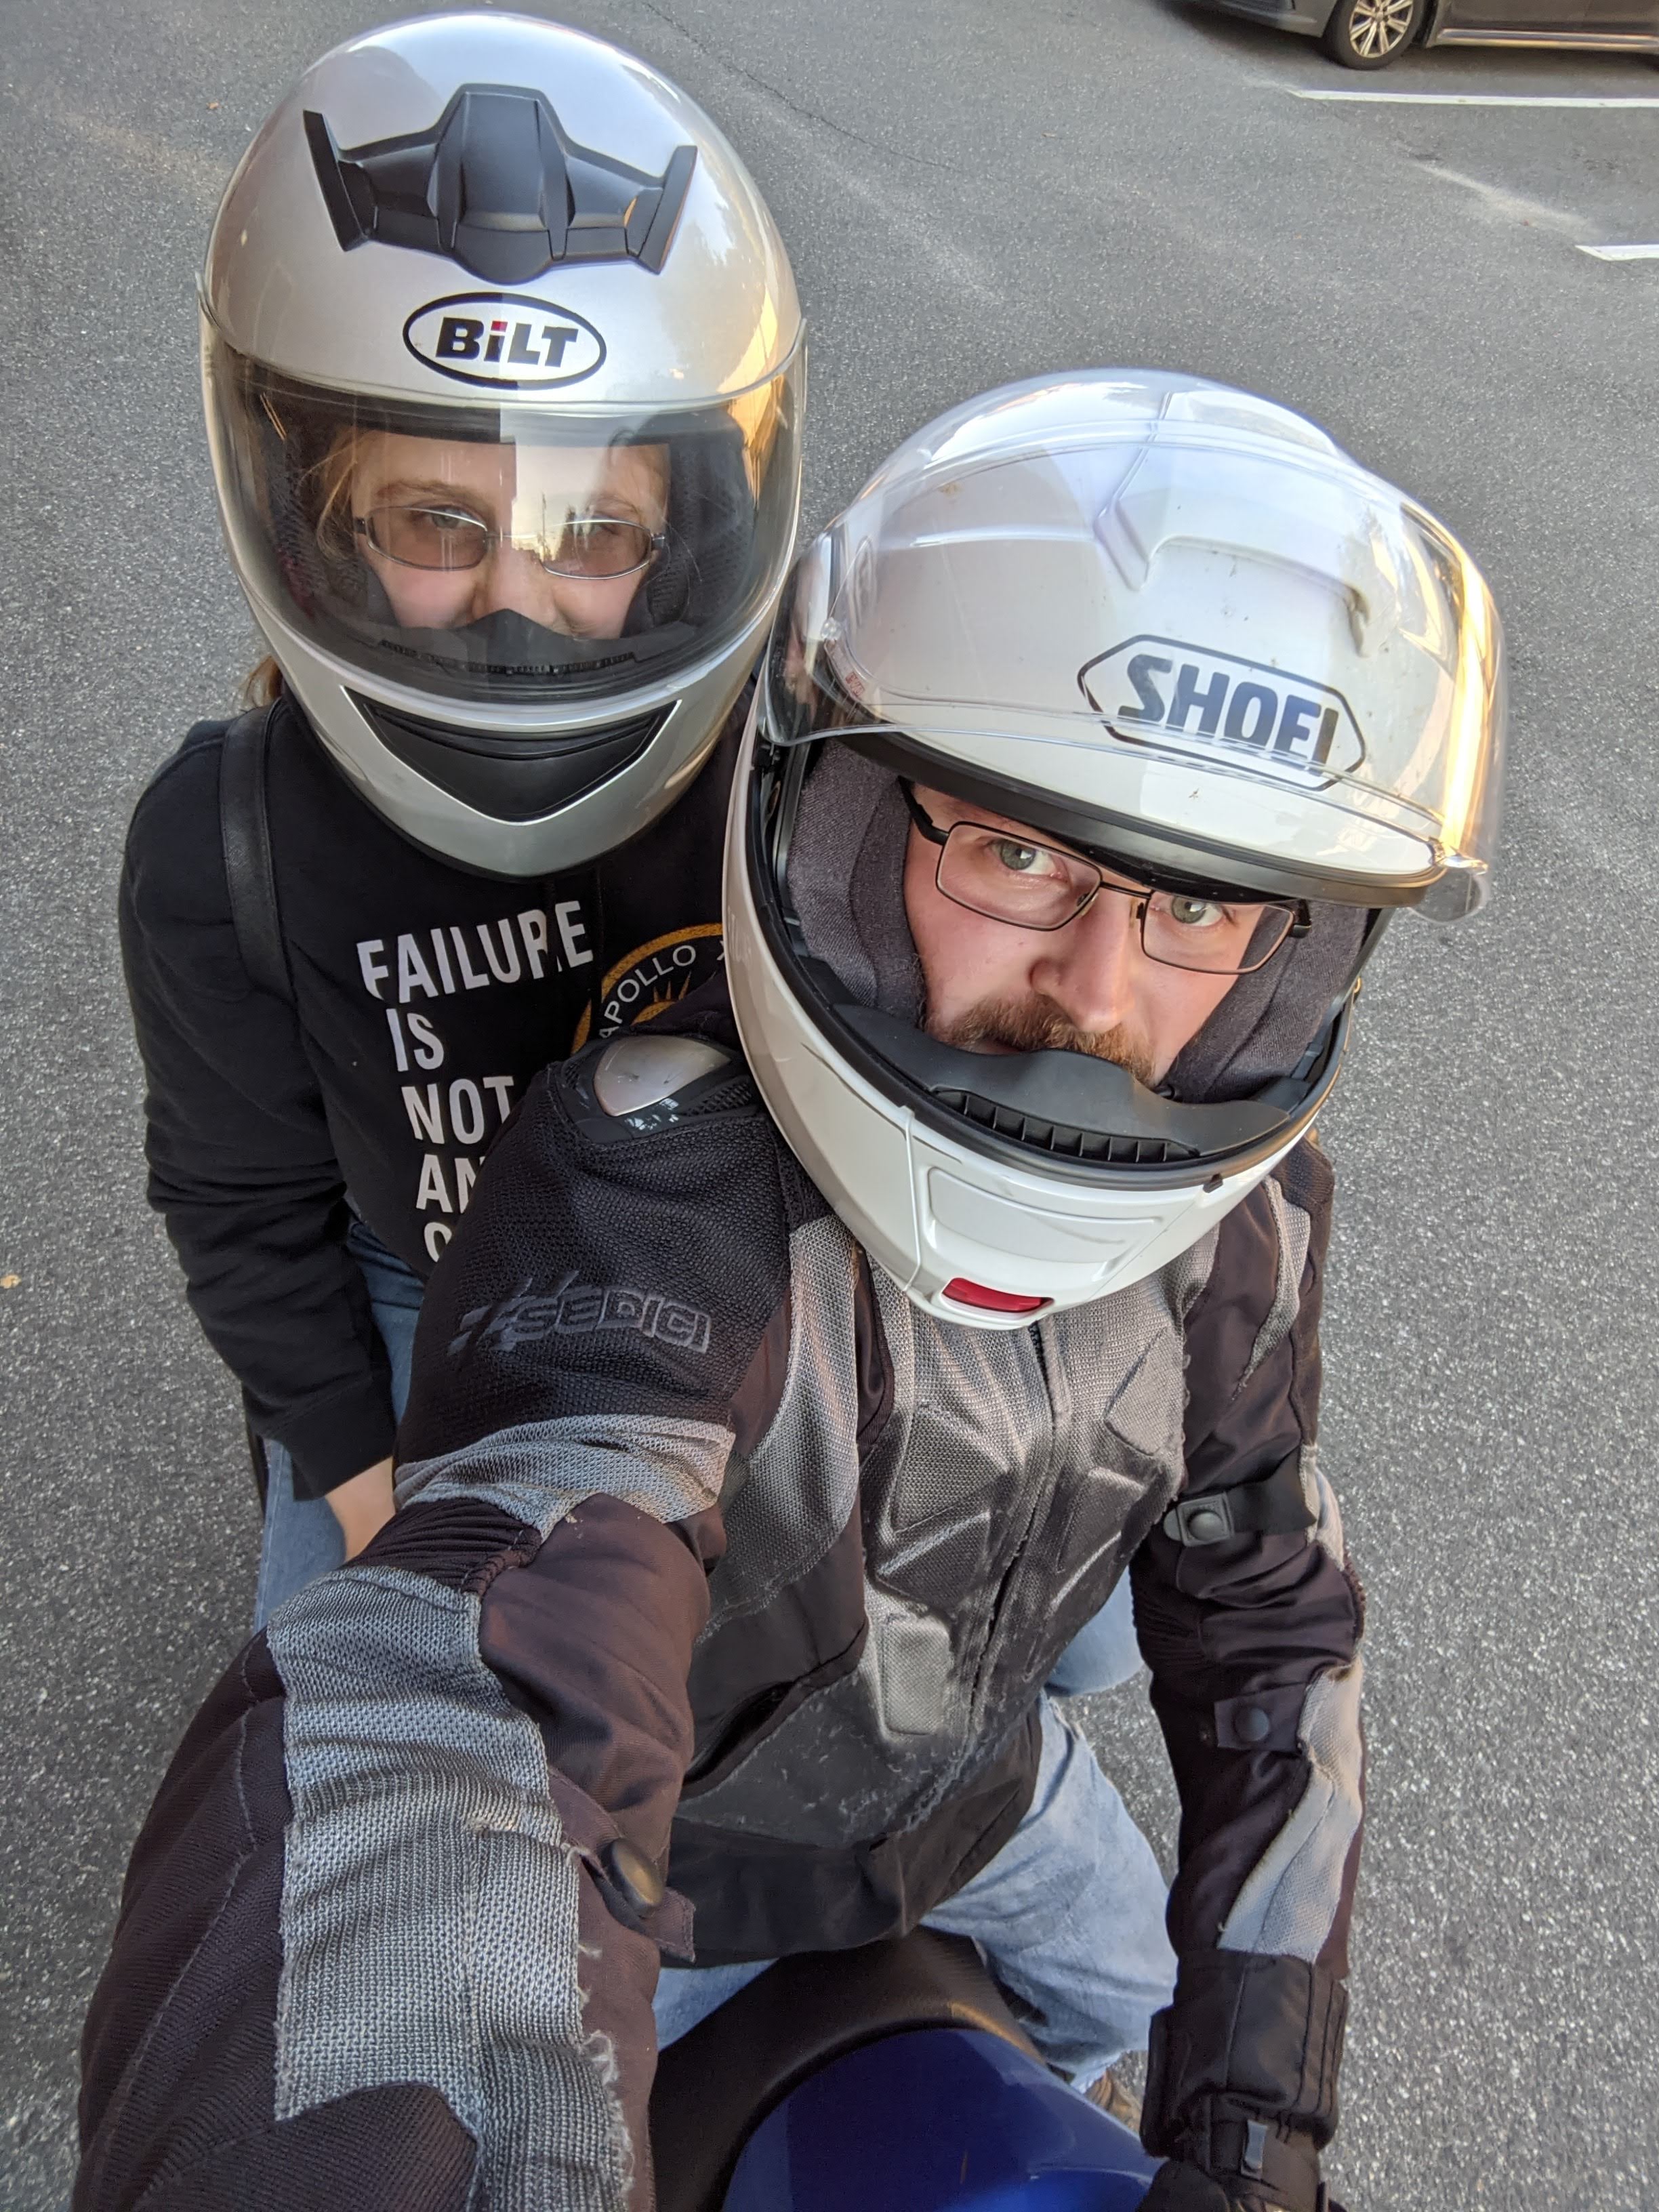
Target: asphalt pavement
[(972, 191)]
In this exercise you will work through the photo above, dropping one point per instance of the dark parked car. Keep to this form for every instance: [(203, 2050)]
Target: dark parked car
[(1370, 33)]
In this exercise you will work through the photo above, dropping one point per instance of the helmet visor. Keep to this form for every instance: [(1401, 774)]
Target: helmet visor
[(1292, 682), (504, 553)]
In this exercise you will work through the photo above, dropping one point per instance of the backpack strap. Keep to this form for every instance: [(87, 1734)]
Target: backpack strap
[(245, 834)]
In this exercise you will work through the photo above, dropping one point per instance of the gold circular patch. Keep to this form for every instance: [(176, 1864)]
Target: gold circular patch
[(652, 978)]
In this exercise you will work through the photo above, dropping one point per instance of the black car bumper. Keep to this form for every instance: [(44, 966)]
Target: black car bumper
[(1291, 17)]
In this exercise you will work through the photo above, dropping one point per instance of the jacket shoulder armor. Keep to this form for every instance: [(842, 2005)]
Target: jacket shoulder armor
[(638, 1072), (638, 1086)]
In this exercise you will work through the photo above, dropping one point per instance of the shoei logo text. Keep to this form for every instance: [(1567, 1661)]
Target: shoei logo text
[(504, 339), (1158, 690)]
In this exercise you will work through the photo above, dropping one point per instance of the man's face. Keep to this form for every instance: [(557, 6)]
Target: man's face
[(1089, 987), (524, 497)]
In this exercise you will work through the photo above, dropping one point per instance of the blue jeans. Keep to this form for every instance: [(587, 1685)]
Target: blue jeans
[(1069, 1916), (302, 1539), (1102, 1653)]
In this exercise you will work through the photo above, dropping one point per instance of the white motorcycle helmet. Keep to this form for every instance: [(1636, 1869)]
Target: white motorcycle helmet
[(1176, 630), (504, 367)]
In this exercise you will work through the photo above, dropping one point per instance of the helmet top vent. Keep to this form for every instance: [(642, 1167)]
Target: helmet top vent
[(497, 186)]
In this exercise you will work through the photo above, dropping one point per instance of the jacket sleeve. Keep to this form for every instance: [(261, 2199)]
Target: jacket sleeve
[(241, 1163), (389, 1937), (1253, 1640)]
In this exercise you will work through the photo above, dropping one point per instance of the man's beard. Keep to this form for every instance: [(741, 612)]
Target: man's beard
[(1038, 1024)]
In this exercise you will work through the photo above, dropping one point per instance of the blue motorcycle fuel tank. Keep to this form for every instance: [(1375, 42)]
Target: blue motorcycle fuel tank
[(938, 2119)]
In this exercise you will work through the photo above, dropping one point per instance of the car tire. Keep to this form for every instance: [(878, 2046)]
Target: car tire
[(1368, 34)]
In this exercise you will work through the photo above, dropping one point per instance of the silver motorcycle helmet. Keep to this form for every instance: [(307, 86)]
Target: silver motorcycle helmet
[(504, 367), (1174, 629)]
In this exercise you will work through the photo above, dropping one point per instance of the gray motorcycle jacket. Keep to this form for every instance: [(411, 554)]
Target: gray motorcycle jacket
[(716, 1558)]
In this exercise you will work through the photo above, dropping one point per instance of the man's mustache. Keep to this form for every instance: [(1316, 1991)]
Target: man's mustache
[(1038, 1024)]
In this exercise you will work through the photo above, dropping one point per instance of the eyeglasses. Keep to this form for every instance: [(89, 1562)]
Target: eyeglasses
[(590, 547), (1008, 878)]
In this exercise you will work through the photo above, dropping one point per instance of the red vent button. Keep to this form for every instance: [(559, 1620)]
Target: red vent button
[(962, 1292)]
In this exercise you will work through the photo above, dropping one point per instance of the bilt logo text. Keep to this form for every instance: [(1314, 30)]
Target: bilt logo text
[(504, 339), (1159, 690)]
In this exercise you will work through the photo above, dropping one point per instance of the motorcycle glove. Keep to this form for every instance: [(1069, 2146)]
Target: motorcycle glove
[(1179, 2187)]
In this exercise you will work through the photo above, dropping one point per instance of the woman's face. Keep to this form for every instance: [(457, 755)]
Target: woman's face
[(524, 497)]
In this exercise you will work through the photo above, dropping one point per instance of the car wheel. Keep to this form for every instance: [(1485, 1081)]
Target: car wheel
[(1368, 34)]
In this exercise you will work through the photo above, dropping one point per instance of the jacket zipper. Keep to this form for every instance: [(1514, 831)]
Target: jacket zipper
[(1000, 1604)]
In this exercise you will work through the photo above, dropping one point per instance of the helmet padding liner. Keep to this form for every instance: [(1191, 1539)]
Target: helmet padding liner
[(846, 875), (847, 879), (1269, 1019)]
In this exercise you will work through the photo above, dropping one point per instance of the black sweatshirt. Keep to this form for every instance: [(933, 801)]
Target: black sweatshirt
[(425, 998)]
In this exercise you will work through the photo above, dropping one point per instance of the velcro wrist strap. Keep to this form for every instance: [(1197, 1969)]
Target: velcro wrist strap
[(1278, 2165), (1273, 1505), (1248, 2037)]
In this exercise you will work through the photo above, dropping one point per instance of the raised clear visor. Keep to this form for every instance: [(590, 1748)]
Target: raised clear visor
[(1330, 725), (502, 553)]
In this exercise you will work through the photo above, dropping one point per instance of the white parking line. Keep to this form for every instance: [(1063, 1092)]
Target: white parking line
[(1469, 99), (1622, 252)]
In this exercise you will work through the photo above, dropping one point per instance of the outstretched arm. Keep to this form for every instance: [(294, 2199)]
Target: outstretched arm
[(390, 1936), (1249, 1618), (391, 1929)]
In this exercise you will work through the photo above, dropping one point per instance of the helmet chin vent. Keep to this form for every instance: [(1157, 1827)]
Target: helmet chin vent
[(1064, 1143), (512, 778)]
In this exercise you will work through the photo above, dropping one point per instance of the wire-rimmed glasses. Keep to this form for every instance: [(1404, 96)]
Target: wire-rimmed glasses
[(590, 547), (1013, 878)]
